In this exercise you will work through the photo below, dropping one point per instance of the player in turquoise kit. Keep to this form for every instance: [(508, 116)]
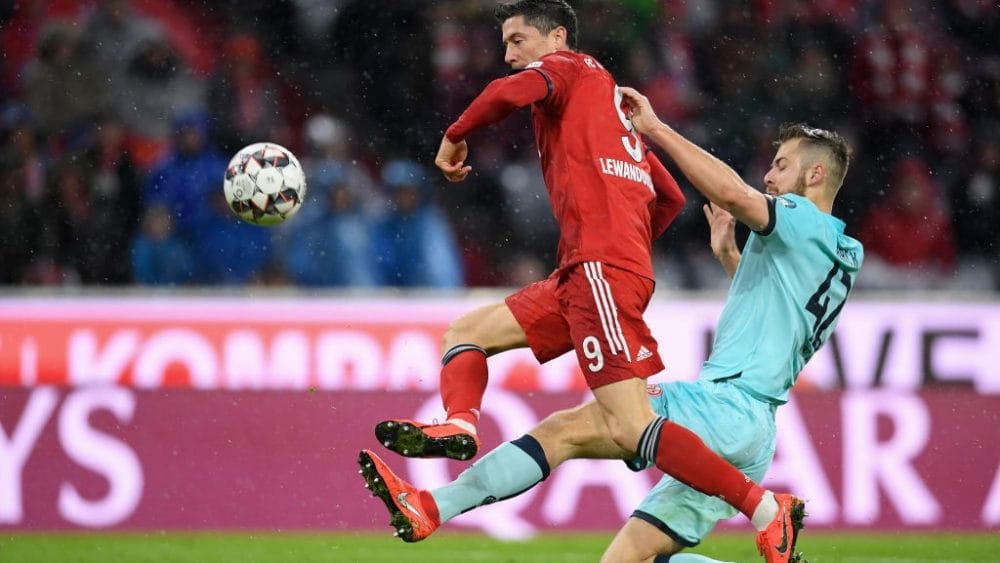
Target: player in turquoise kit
[(789, 287)]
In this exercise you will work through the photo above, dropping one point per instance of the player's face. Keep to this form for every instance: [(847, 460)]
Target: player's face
[(526, 44), (787, 175)]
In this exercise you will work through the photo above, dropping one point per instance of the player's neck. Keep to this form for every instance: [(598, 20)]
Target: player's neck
[(821, 200)]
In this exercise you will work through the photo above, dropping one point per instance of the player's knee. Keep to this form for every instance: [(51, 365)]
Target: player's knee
[(624, 432), (453, 336), (463, 330), (477, 327)]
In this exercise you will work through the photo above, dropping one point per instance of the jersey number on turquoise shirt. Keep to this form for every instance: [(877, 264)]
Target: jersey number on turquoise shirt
[(819, 305)]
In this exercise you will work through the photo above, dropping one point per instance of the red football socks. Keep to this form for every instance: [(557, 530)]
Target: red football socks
[(684, 456), (463, 382)]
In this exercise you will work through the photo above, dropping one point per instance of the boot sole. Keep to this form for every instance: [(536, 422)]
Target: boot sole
[(408, 440)]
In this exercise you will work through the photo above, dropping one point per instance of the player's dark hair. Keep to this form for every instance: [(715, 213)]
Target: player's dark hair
[(545, 15), (813, 137)]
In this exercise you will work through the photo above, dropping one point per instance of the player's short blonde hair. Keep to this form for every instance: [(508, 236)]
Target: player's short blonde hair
[(830, 143)]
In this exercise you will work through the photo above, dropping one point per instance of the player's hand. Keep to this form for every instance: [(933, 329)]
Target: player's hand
[(723, 226), (644, 119), (451, 159)]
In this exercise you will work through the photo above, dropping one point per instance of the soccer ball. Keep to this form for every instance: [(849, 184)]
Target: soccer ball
[(264, 184)]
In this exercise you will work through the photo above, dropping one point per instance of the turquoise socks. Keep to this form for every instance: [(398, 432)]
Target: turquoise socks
[(507, 471)]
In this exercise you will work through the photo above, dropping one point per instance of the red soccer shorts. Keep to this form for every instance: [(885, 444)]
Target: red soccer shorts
[(596, 310)]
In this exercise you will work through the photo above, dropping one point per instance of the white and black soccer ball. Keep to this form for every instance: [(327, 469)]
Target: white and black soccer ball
[(264, 184)]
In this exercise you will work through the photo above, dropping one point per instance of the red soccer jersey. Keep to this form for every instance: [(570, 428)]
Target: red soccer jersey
[(595, 166)]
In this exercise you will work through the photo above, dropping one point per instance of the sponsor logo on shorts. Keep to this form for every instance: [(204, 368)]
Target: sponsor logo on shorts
[(643, 354)]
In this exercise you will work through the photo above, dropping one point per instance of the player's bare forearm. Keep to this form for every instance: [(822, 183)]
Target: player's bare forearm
[(713, 178), (709, 175), (723, 238)]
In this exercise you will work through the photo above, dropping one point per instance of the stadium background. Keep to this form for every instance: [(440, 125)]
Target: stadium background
[(165, 368)]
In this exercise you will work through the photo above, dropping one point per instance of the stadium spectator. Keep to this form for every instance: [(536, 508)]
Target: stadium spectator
[(975, 201), (333, 244), (112, 33), (904, 81), (244, 97), (187, 179), (228, 251), (415, 244), (28, 209), (159, 256), (156, 86), (63, 89), (331, 143), (909, 232), (115, 199), (78, 228)]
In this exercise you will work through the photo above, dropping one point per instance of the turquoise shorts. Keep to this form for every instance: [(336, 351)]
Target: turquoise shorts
[(734, 425)]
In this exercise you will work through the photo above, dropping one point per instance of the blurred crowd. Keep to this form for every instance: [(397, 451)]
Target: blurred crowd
[(117, 119)]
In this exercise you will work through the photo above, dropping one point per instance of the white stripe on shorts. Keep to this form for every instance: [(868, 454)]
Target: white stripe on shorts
[(606, 308)]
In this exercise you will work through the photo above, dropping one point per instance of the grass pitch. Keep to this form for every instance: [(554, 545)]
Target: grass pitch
[(464, 548)]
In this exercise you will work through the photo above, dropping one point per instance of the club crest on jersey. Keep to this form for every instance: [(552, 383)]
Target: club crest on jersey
[(786, 202), (654, 390)]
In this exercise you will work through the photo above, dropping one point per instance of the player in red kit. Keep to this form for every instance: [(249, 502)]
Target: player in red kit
[(611, 199)]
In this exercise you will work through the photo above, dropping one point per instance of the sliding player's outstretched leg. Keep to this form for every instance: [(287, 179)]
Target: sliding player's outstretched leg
[(413, 512), (410, 438), (777, 542)]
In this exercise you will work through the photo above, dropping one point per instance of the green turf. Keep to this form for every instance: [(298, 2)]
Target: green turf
[(463, 548)]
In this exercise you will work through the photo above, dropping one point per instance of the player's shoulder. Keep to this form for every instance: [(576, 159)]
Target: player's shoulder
[(566, 60), (791, 213), (792, 201), (795, 207)]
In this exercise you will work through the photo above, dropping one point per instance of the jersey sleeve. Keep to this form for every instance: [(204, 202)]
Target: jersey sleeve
[(560, 73), (498, 100), (789, 220), (669, 198)]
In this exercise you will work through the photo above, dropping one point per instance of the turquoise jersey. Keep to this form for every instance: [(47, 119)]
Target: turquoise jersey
[(786, 296)]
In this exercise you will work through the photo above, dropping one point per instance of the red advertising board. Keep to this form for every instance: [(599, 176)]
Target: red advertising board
[(394, 344), (112, 457)]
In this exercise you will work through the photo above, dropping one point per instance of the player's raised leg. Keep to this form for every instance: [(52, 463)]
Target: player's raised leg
[(467, 343)]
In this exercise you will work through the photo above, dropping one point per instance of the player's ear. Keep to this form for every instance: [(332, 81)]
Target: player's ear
[(559, 35), (817, 173)]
